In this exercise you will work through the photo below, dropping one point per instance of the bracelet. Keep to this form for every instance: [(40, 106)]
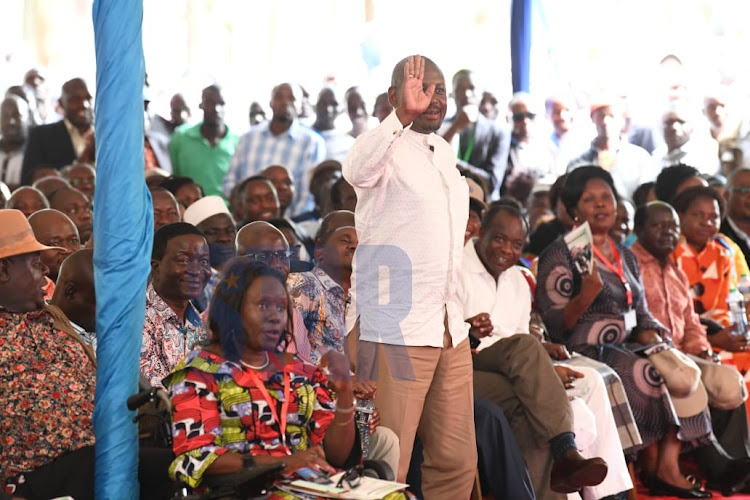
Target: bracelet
[(346, 411)]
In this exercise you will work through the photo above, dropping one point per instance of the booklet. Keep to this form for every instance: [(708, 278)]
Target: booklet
[(580, 243), (369, 488)]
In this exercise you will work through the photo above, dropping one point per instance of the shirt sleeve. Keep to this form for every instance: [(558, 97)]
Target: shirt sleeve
[(196, 424), (324, 409), (150, 354), (368, 159), (554, 288), (174, 148), (236, 166)]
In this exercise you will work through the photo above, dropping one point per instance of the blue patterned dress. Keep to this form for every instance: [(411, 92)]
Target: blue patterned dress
[(600, 334)]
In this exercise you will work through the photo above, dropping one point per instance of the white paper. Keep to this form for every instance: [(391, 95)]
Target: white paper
[(580, 243)]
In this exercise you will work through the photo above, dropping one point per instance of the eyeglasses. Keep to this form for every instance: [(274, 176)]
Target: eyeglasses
[(519, 117), (269, 256), (351, 477), (741, 189)]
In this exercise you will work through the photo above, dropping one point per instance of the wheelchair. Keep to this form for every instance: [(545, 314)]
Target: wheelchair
[(252, 482)]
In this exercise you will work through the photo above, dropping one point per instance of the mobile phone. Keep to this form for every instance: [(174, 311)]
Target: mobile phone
[(473, 341), (314, 476)]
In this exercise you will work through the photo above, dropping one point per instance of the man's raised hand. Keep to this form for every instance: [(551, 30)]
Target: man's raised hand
[(414, 98)]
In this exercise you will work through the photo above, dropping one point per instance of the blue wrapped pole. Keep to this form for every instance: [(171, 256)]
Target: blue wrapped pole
[(520, 44), (123, 236)]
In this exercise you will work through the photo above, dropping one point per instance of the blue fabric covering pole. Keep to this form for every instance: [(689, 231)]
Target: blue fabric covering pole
[(123, 235), (520, 43)]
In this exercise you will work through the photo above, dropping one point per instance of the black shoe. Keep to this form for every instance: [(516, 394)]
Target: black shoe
[(661, 488), (646, 479), (733, 478)]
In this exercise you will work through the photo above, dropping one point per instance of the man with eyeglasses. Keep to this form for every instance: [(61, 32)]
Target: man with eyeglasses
[(629, 165), (529, 160), (81, 176), (736, 224)]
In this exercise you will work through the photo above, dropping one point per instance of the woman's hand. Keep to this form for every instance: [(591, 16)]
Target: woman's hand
[(374, 421), (591, 284), (567, 375), (314, 458), (365, 389), (726, 340), (336, 366), (648, 337)]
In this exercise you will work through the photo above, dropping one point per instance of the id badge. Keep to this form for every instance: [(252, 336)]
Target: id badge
[(630, 320)]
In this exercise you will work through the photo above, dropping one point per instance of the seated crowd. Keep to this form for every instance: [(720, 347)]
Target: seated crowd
[(580, 379)]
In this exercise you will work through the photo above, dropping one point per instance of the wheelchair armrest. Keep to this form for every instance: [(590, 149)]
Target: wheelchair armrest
[(243, 476)]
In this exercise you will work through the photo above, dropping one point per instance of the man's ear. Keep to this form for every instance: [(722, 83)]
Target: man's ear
[(154, 267), (318, 253), (393, 97), (70, 290), (4, 270)]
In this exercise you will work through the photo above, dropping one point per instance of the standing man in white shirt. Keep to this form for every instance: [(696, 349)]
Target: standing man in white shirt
[(412, 209)]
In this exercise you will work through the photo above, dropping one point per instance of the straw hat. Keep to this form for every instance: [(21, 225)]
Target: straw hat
[(16, 236)]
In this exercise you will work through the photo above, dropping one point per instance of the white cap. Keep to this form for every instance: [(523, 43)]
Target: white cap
[(206, 207)]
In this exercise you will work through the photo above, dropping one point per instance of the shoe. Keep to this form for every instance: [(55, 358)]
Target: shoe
[(572, 472), (733, 478), (646, 478), (661, 488)]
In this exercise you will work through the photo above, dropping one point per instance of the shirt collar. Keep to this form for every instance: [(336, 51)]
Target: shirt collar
[(293, 131), (325, 280), (167, 314), (195, 131), (472, 263)]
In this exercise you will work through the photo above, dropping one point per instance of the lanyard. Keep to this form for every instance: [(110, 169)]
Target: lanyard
[(272, 403), (617, 270), (469, 147)]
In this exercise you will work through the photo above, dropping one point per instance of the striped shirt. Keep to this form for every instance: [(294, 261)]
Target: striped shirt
[(299, 149)]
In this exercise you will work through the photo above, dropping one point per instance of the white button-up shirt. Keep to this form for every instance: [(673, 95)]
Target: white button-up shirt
[(412, 209), (508, 302)]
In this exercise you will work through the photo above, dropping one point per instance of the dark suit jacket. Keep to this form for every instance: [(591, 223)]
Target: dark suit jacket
[(48, 146), (490, 151), (727, 230)]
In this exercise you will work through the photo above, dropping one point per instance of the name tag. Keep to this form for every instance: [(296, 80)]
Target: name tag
[(630, 320)]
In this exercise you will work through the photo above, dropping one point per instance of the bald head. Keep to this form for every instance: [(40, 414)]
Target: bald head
[(54, 228), (74, 292), (81, 176), (332, 222), (260, 234), (50, 184), (166, 208), (265, 244), (28, 200), (77, 206)]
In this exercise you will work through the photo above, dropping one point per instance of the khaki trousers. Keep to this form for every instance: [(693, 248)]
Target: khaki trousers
[(427, 391)]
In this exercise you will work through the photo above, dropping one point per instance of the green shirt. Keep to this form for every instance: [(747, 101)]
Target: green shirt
[(193, 156)]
